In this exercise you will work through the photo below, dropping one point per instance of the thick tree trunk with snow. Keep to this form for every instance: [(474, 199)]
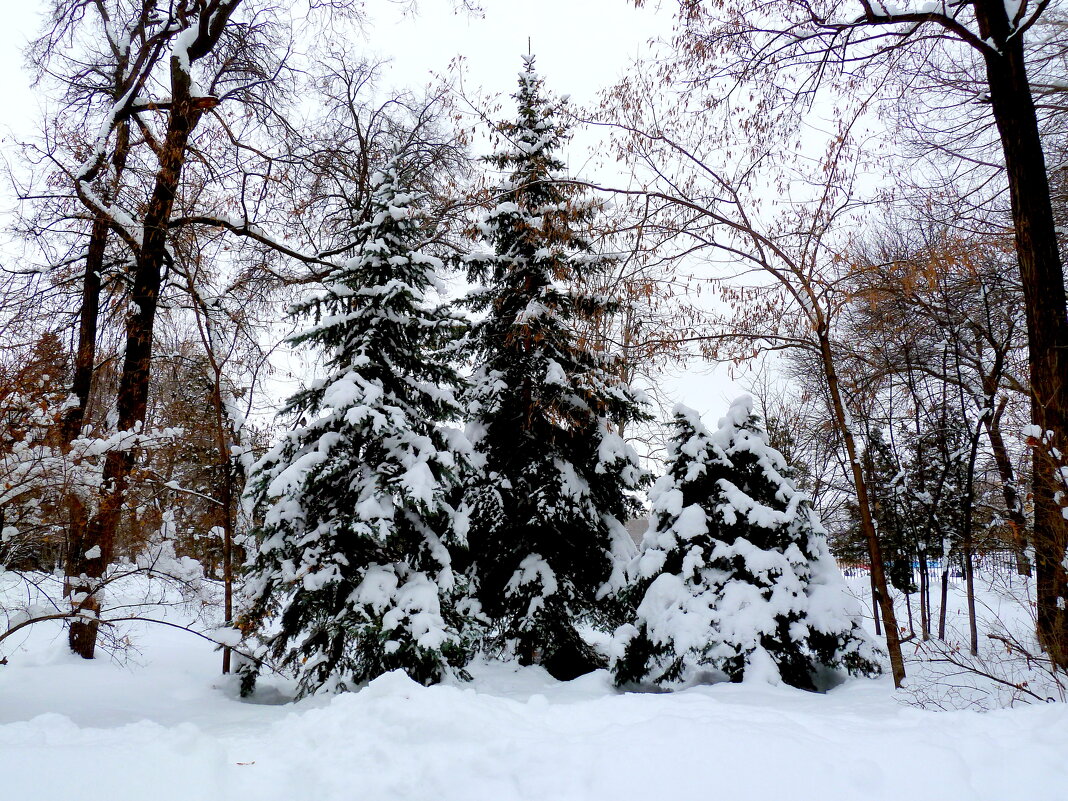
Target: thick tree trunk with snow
[(79, 537), (88, 314), (1042, 276), (186, 110), (136, 370), (85, 360), (92, 278)]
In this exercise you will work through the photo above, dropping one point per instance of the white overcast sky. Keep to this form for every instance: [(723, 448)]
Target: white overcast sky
[(581, 46)]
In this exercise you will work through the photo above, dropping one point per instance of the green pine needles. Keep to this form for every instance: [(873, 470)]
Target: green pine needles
[(735, 579), (352, 575), (548, 507), (390, 539)]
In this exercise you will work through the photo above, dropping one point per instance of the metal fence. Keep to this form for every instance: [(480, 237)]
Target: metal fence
[(1001, 562)]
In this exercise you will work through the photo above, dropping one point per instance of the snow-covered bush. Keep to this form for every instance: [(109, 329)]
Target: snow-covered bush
[(734, 576)]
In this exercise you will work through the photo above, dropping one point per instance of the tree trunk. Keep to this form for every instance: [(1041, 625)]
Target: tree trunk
[(82, 635), (226, 495), (89, 310), (875, 605), (1042, 276), (136, 369), (878, 573), (908, 609), (945, 600), (969, 544), (1017, 521), (88, 316), (969, 584), (925, 598)]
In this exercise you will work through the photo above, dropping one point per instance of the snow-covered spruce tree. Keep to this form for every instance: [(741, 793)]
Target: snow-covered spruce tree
[(735, 576), (351, 574), (548, 503)]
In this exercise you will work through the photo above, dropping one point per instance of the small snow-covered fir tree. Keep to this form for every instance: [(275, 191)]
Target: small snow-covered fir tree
[(735, 576), (351, 573), (548, 505)]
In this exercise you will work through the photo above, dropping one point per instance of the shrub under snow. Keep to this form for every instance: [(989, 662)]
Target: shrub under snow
[(734, 577)]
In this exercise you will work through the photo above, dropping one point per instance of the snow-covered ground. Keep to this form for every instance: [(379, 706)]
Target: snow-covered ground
[(162, 725)]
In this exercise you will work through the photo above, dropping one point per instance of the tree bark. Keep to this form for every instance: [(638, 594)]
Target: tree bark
[(1042, 277), (945, 599), (226, 489), (1017, 520), (925, 598), (875, 605), (88, 320), (89, 310), (185, 113), (969, 587), (908, 610), (867, 526), (76, 565)]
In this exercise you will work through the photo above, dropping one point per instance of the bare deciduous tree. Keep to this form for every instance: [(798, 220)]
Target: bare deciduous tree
[(788, 50), (778, 270)]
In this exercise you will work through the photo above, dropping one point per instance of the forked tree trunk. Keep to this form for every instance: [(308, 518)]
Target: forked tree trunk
[(185, 113), (76, 564)]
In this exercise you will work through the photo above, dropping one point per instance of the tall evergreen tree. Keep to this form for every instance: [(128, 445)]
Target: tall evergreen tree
[(352, 573), (888, 487), (735, 576), (939, 482), (548, 505)]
